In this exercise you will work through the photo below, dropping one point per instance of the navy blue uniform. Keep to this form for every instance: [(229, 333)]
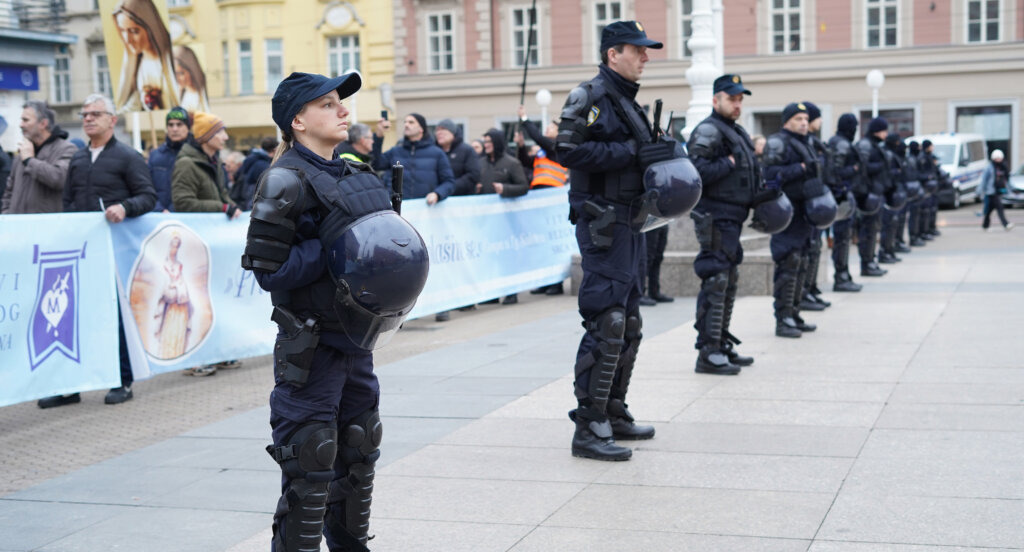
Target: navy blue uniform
[(600, 148), (869, 226), (791, 168), (847, 175)]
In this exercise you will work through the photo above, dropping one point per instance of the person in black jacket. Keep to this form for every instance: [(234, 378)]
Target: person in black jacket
[(255, 164), (463, 159), (849, 177), (107, 176)]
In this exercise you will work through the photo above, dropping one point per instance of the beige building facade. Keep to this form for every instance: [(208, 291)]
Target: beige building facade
[(949, 65)]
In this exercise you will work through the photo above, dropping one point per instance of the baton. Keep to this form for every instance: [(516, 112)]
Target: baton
[(657, 120), (397, 172)]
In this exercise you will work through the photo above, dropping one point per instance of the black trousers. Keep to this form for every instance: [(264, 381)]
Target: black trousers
[(993, 202)]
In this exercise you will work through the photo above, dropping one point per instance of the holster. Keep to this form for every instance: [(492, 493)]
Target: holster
[(600, 225), (707, 237), (293, 353)]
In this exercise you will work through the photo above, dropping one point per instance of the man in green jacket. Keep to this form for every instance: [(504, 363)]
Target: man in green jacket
[(198, 185), (198, 182)]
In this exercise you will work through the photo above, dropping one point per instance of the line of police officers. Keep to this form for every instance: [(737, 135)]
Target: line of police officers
[(626, 179)]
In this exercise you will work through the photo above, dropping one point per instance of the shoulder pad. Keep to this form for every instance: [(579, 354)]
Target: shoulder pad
[(576, 103), (774, 150), (704, 140), (278, 196)]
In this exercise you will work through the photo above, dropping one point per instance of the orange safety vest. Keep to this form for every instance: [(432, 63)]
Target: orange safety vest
[(547, 173)]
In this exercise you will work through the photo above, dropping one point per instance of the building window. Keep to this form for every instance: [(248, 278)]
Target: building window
[(244, 67), (101, 74), (440, 43), (177, 3), (62, 76), (521, 20), (982, 20), (785, 26), (686, 11), (226, 55), (342, 54), (274, 50), (882, 23), (604, 13)]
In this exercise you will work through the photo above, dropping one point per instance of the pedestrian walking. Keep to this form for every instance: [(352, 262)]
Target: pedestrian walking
[(993, 186)]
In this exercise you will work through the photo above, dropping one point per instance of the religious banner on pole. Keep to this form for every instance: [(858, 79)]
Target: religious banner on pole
[(140, 54)]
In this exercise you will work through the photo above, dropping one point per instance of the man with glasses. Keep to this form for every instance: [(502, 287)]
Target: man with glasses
[(107, 176)]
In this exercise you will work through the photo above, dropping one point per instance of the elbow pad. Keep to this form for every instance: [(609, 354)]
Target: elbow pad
[(572, 129), (276, 206)]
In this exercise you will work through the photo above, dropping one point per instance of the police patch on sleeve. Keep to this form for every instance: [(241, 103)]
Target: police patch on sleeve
[(592, 116)]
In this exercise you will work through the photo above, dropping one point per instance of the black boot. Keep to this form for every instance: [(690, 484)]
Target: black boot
[(713, 361), (710, 326), (734, 357), (810, 302), (803, 326), (872, 269), (623, 426), (786, 282), (594, 440), (844, 282)]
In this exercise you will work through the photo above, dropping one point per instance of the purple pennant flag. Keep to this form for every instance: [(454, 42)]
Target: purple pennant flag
[(54, 325)]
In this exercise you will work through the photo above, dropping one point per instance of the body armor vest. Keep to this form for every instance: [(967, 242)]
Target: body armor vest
[(621, 186), (810, 186), (741, 185), (337, 202), (880, 182)]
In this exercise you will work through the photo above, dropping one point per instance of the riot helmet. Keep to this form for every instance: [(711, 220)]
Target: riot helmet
[(930, 186), (671, 189), (896, 198), (914, 190), (772, 216), (821, 210), (379, 264), (846, 207), (869, 204)]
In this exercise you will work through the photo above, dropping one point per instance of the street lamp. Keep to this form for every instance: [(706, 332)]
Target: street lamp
[(875, 80), (543, 100)]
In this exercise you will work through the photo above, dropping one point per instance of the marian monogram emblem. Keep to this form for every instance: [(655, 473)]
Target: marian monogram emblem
[(54, 325)]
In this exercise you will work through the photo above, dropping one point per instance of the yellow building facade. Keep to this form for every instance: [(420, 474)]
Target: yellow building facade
[(248, 46)]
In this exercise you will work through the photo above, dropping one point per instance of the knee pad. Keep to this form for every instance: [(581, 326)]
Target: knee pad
[(309, 452), (360, 439), (609, 326), (634, 323), (791, 262), (717, 283)]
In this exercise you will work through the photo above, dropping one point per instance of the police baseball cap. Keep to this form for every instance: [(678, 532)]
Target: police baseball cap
[(731, 85), (301, 88), (626, 32)]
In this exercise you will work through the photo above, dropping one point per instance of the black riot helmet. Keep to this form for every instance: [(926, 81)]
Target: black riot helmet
[(846, 207), (671, 189), (914, 190), (772, 216), (379, 264), (896, 198), (869, 204), (821, 210)]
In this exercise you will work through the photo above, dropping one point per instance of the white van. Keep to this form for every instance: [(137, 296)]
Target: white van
[(964, 157)]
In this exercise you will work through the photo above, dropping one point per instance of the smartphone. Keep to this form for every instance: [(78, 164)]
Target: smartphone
[(384, 114)]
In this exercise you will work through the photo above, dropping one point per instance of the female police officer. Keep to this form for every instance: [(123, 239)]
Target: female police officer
[(343, 270)]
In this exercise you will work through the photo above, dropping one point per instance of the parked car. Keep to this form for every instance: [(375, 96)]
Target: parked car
[(964, 157), (1014, 196)]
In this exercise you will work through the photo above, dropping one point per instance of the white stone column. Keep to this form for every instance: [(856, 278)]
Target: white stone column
[(719, 29), (702, 72)]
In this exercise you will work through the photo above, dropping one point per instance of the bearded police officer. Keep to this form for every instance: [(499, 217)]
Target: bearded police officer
[(790, 164), (847, 178), (604, 138), (731, 177), (343, 270), (869, 149)]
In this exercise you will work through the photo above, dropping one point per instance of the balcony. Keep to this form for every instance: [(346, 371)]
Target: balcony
[(29, 30)]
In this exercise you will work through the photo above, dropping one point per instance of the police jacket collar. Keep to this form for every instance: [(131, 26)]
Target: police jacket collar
[(725, 120), (801, 137), (335, 167), (176, 146), (625, 87)]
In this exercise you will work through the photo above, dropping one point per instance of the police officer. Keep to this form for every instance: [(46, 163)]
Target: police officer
[(931, 174), (847, 177), (731, 176), (810, 296), (869, 149), (604, 138), (332, 309), (895, 199), (790, 163), (911, 216)]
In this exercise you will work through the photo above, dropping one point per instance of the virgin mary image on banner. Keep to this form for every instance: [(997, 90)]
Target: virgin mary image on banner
[(191, 80), (169, 292), (147, 69)]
